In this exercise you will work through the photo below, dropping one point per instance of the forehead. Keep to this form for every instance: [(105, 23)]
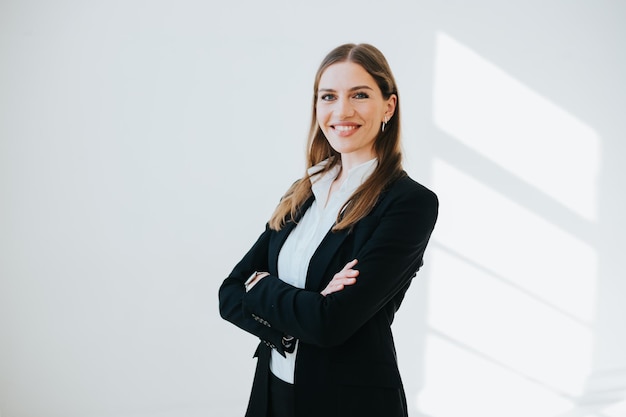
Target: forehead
[(345, 75)]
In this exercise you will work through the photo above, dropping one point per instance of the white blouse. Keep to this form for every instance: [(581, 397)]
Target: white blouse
[(296, 253)]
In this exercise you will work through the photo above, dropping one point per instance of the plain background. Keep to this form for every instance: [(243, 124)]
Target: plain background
[(143, 145)]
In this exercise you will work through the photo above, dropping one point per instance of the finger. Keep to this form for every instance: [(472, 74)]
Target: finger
[(346, 271), (338, 284), (328, 290), (341, 284), (350, 273), (334, 288), (350, 264)]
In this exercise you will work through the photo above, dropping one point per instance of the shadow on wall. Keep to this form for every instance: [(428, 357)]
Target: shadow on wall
[(521, 318)]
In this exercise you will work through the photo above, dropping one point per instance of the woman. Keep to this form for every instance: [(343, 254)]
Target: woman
[(321, 285)]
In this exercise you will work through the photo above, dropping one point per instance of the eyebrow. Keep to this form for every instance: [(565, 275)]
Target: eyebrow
[(358, 87)]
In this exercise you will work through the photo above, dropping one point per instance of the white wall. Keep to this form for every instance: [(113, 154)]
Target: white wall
[(144, 144)]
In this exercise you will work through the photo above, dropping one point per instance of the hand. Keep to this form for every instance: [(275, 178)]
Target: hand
[(347, 276), (254, 279)]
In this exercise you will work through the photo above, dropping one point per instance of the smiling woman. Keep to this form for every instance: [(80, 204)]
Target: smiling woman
[(321, 286)]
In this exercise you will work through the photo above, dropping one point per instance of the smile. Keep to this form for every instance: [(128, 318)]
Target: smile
[(345, 128)]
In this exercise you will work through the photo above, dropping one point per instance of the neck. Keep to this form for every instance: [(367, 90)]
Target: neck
[(349, 161)]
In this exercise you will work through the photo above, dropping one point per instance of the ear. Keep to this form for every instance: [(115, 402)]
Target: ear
[(391, 106)]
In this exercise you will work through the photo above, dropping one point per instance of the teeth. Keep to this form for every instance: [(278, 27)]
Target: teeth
[(345, 128)]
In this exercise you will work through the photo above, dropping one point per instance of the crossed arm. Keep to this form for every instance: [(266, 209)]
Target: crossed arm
[(347, 276), (382, 268)]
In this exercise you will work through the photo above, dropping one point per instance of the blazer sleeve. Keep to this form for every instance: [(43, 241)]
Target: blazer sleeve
[(232, 291), (387, 262)]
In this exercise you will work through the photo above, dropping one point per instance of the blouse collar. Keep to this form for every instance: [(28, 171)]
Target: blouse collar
[(321, 182)]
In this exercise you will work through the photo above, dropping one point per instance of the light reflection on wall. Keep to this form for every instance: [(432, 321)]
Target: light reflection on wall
[(511, 299), (526, 134)]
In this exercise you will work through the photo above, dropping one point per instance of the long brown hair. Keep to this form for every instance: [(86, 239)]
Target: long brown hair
[(386, 146)]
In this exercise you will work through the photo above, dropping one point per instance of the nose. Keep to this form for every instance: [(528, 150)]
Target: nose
[(344, 108)]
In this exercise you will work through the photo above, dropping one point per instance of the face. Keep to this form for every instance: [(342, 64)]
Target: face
[(350, 110)]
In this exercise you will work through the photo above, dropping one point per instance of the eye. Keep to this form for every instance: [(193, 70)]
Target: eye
[(327, 97), (361, 95)]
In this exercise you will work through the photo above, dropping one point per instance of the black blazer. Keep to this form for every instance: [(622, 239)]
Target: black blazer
[(346, 363)]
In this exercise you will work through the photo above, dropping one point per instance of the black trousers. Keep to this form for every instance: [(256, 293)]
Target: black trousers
[(282, 398)]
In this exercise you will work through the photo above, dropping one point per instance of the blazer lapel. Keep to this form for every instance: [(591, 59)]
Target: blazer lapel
[(321, 258), (279, 238)]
